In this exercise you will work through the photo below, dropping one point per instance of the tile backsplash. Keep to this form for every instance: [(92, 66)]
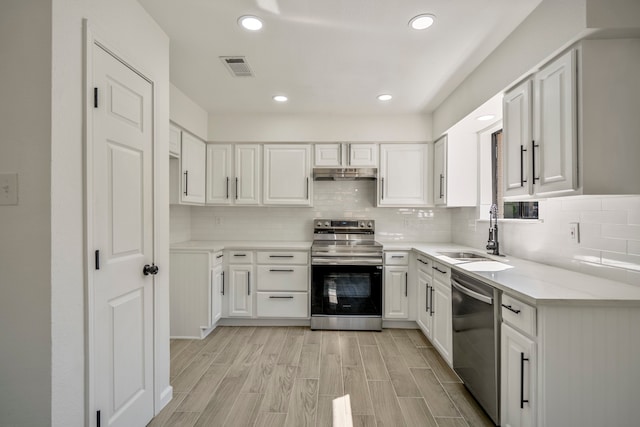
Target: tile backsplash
[(609, 228), (332, 199)]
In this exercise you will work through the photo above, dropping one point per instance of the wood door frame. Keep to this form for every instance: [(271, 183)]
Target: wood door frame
[(94, 40)]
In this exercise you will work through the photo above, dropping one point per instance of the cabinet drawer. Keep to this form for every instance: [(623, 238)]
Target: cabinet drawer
[(519, 315), (283, 257), (425, 264), (396, 258), (282, 304), (283, 278), (240, 257), (217, 258), (441, 272)]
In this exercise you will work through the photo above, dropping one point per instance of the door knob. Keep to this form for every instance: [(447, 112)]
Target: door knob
[(150, 269)]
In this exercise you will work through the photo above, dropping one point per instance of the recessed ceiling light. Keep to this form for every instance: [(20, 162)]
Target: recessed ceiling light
[(251, 23), (486, 117), (422, 22), (280, 98), (384, 97)]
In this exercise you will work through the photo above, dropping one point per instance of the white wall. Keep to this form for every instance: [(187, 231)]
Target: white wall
[(187, 114), (339, 199), (180, 223), (609, 235), (319, 128), (127, 29), (25, 229)]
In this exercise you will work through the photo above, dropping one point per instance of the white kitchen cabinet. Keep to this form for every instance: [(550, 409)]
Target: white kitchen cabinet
[(517, 131), (193, 169), (247, 174), (282, 284), (234, 174), (404, 175), (346, 155), (440, 306), (455, 170), (424, 283), (241, 277), (220, 174), (195, 293), (287, 175), (518, 378), (175, 140), (396, 289)]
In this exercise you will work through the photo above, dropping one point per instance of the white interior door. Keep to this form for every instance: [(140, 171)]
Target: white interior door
[(122, 231)]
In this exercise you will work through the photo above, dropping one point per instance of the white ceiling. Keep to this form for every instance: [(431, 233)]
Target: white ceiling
[(331, 56)]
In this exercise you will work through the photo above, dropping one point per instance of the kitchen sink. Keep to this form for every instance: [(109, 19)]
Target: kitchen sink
[(464, 256)]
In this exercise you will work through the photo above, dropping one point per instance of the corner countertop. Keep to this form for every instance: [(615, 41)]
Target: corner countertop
[(535, 283), (217, 245)]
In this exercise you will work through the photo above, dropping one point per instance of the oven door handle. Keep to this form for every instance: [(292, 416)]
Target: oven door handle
[(349, 261), (475, 295)]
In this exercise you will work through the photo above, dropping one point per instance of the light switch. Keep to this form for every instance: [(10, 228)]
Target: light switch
[(8, 188)]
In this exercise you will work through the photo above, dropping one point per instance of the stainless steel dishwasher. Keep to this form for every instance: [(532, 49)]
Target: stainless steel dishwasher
[(476, 340)]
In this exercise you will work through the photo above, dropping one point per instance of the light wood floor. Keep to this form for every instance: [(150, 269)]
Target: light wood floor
[(288, 376)]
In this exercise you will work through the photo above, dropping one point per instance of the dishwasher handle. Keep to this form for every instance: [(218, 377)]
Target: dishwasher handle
[(475, 295)]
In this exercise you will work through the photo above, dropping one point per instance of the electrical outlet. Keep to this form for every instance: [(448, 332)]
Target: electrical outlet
[(574, 231), (217, 220), (8, 188)]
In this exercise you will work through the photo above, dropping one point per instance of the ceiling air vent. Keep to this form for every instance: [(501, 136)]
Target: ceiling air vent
[(237, 65)]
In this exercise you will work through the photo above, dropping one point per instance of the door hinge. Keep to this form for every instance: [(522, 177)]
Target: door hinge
[(95, 97), (97, 418), (97, 259)]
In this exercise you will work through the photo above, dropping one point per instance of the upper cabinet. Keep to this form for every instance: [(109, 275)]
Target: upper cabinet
[(187, 174), (455, 166), (233, 174), (175, 137), (567, 128), (287, 175), (346, 155), (404, 178)]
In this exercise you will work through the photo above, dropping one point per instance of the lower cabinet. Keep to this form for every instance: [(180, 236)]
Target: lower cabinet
[(283, 284), (442, 335), (425, 296), (518, 365), (195, 293), (282, 304), (396, 301), (241, 278)]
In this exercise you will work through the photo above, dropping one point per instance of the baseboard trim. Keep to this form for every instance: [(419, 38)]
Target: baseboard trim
[(165, 398), (399, 324), (228, 321)]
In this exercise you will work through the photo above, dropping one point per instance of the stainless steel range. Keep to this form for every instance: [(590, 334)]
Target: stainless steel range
[(346, 275)]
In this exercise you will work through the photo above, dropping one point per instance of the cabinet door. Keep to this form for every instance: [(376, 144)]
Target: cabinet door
[(516, 110), (248, 167), (287, 175), (425, 285), (362, 155), (328, 155), (240, 290), (442, 336), (440, 171), (193, 169), (175, 137), (404, 175), (189, 292), (396, 301), (217, 278), (555, 152), (518, 373), (219, 174)]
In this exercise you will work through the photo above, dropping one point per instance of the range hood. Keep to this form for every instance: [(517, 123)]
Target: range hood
[(344, 174)]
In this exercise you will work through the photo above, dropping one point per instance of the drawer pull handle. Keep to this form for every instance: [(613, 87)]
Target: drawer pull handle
[(274, 297), (219, 256), (239, 254), (424, 262), (280, 256), (510, 308), (281, 270), (438, 270), (522, 399), (397, 256)]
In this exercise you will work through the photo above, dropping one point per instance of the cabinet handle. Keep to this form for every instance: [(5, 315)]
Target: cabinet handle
[(276, 297), (307, 188), (186, 183), (522, 180), (420, 260), (438, 270), (349, 154), (397, 256), (533, 161), (340, 154), (236, 188), (441, 182), (382, 189), (240, 255), (219, 256), (280, 256), (522, 399), (431, 305), (223, 283), (227, 187), (248, 283), (282, 270), (406, 284), (426, 298), (510, 308)]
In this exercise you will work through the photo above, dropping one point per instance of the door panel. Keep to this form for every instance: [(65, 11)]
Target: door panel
[(517, 140), (122, 230)]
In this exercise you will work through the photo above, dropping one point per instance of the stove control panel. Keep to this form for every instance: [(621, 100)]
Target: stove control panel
[(344, 224)]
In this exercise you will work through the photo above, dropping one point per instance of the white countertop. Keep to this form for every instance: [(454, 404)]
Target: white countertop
[(531, 281)]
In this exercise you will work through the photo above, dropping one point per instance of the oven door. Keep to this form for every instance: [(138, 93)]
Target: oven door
[(346, 290)]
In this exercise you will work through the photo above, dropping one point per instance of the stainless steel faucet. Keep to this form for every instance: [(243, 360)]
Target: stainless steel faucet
[(493, 246)]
